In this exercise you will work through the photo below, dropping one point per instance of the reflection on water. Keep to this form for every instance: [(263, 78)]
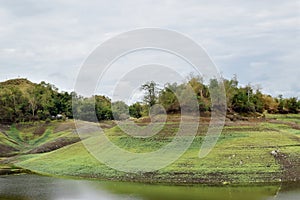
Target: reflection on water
[(33, 187), (288, 192)]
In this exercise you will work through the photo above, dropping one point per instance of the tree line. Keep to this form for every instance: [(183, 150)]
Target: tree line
[(239, 99), (21, 101)]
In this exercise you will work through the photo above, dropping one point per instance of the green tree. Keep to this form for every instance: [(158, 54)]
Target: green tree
[(243, 100), (63, 104), (136, 110), (217, 95), (12, 105), (231, 88), (120, 110), (292, 105), (84, 109), (281, 105), (150, 89), (33, 100), (258, 101), (103, 108), (201, 91), (168, 98)]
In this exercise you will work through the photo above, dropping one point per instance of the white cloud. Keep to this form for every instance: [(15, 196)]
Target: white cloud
[(257, 40)]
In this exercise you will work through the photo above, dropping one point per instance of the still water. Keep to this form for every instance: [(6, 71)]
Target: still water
[(34, 187)]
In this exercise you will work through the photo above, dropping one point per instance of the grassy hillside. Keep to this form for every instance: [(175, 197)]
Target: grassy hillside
[(29, 136), (242, 154), (24, 101), (22, 84)]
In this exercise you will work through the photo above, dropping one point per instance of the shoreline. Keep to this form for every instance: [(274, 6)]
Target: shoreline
[(147, 181), (140, 179), (242, 156)]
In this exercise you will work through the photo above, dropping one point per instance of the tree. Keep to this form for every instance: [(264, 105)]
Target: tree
[(270, 104), (136, 110), (217, 95), (168, 99), (103, 108), (242, 100), (258, 101), (84, 109), (12, 105), (63, 104), (33, 101), (150, 89), (201, 91), (281, 105), (231, 87), (292, 105), (120, 110)]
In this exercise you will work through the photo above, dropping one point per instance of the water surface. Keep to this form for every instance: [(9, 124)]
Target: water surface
[(34, 187)]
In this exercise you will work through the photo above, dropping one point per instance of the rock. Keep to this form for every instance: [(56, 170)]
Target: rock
[(274, 153)]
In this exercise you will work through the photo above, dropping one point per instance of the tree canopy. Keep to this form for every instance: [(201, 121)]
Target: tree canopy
[(22, 100)]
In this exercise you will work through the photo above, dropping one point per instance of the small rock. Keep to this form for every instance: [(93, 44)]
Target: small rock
[(274, 153)]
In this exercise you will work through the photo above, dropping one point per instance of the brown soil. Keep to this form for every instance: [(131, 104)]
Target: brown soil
[(37, 128), (56, 144), (6, 150), (290, 165), (70, 125), (9, 171), (40, 130), (64, 127), (4, 128)]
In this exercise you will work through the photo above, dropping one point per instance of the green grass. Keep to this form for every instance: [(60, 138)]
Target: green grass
[(14, 134), (73, 160), (7, 141), (22, 136), (242, 155), (41, 139), (295, 118)]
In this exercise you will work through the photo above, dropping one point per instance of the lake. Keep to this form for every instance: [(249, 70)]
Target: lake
[(35, 187)]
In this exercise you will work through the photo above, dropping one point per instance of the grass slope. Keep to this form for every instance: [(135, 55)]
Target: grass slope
[(242, 155)]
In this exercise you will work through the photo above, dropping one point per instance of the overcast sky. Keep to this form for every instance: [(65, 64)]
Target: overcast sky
[(257, 40)]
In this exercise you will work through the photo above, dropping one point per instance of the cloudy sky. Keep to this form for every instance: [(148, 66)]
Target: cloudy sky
[(257, 40)]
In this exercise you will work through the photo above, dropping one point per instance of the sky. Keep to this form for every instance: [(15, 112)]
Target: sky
[(50, 40)]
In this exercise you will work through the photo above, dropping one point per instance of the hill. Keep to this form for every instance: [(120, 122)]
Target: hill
[(30, 139), (22, 100), (21, 83), (243, 153)]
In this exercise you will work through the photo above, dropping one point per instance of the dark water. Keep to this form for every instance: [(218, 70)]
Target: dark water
[(33, 187)]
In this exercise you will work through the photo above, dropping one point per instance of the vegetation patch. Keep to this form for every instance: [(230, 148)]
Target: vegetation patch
[(242, 155), (56, 144), (6, 150)]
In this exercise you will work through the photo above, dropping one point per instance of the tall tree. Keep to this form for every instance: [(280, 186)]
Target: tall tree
[(151, 91)]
